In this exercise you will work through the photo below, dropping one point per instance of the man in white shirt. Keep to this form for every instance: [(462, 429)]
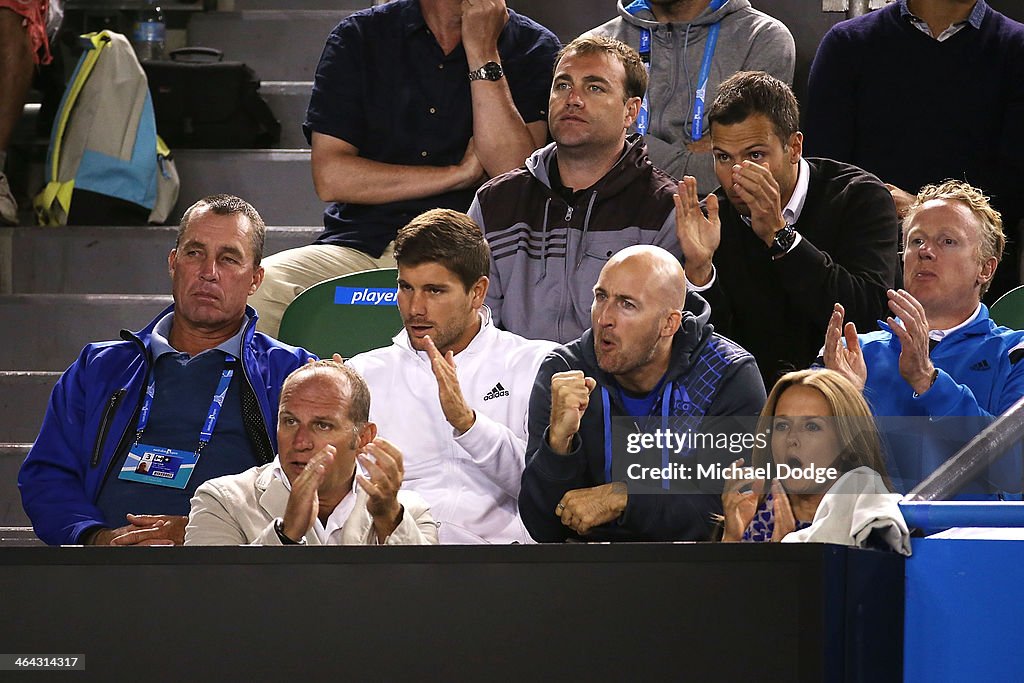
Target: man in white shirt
[(312, 493), (452, 392)]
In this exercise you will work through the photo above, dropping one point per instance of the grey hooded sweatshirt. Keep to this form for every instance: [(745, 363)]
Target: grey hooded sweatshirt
[(748, 40), (547, 251)]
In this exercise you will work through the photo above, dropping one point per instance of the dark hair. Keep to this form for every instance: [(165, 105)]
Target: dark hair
[(358, 392), (446, 237), (636, 72), (228, 205), (755, 92)]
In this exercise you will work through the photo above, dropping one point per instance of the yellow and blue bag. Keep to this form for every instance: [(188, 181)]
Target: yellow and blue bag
[(105, 164)]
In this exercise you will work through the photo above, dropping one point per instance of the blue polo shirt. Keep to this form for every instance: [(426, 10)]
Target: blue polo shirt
[(185, 386), (384, 86)]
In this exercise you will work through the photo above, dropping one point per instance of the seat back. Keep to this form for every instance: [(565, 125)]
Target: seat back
[(1008, 310), (348, 314)]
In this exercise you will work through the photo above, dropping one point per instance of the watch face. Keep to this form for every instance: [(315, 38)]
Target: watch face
[(491, 71), (784, 239)]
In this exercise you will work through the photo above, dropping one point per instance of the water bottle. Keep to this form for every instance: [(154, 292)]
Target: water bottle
[(150, 32)]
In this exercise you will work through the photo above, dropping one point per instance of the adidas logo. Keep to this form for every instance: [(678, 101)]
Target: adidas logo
[(981, 365), (497, 392)]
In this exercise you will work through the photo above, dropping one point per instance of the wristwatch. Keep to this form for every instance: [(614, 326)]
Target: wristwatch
[(491, 71), (783, 241), (279, 528)]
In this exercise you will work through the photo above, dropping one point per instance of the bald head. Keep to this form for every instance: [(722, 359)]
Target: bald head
[(658, 273), (637, 310)]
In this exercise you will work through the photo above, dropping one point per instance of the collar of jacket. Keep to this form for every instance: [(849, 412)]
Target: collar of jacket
[(980, 326), (145, 335), (632, 166), (639, 14), (478, 342)]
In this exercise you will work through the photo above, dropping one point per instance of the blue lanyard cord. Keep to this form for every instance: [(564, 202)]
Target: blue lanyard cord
[(206, 433), (607, 435), (643, 117), (702, 82), (666, 394)]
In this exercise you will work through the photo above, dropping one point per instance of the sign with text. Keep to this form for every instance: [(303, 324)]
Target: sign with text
[(366, 296)]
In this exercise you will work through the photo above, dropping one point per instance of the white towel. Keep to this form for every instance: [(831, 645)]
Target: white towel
[(853, 508)]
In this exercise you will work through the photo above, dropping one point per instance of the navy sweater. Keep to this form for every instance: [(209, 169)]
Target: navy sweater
[(912, 110)]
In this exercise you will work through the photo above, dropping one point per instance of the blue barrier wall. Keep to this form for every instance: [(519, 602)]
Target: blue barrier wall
[(964, 606)]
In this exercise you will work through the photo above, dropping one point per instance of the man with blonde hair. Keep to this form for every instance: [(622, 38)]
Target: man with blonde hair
[(939, 355)]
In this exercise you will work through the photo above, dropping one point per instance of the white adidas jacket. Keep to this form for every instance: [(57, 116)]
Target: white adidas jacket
[(471, 481)]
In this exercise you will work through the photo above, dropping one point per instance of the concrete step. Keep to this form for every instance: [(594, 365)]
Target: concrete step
[(279, 45), (288, 100), (104, 260), (11, 513), (48, 331), (279, 183), (23, 399), (25, 129)]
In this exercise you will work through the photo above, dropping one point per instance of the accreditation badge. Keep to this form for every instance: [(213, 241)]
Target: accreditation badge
[(158, 466)]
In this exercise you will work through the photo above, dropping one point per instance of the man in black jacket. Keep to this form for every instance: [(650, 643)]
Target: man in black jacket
[(784, 238), (645, 355)]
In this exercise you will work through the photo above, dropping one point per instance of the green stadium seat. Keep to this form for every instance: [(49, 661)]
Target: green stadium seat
[(1008, 310), (346, 315)]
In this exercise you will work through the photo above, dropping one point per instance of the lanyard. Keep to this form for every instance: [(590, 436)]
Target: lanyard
[(215, 406), (643, 118), (665, 396)]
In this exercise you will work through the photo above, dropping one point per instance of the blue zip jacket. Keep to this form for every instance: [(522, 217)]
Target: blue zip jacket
[(979, 377), (91, 410)]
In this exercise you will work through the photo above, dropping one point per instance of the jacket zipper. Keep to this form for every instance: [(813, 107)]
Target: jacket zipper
[(108, 416), (245, 375), (127, 336)]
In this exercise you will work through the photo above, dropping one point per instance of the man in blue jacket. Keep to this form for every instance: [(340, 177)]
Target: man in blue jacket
[(135, 426), (939, 356)]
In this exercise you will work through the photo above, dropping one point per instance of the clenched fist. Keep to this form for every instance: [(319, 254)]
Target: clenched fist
[(570, 396)]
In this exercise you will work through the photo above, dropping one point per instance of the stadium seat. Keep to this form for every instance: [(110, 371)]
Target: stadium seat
[(1008, 310), (347, 314)]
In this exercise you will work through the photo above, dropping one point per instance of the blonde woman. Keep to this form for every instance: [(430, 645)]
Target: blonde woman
[(821, 476)]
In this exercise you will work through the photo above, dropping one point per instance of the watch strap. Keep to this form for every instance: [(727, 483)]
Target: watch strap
[(285, 540), (783, 241), (490, 71)]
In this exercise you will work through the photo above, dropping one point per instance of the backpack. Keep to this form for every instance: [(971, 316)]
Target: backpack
[(105, 164)]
